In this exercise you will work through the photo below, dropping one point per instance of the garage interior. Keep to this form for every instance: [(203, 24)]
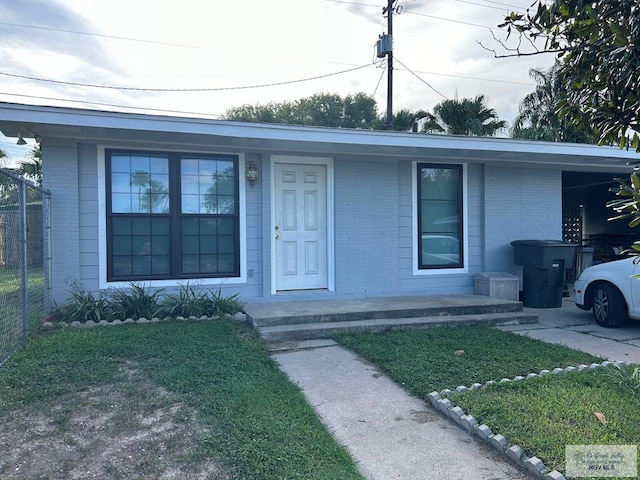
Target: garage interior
[(585, 215)]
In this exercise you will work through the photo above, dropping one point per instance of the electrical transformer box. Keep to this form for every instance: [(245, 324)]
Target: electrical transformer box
[(383, 45)]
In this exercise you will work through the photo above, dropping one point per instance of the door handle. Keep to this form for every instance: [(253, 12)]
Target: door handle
[(277, 237)]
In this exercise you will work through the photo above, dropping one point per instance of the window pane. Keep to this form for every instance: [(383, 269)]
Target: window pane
[(439, 183), (160, 226), (121, 266), (209, 264), (160, 265), (121, 226), (440, 225), (141, 226), (190, 264), (139, 183), (190, 226), (226, 264), (142, 265), (208, 226), (190, 244), (208, 244), (226, 244), (121, 163), (226, 226), (190, 204), (121, 245), (120, 183)]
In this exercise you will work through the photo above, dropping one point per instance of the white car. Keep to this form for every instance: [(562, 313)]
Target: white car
[(611, 291)]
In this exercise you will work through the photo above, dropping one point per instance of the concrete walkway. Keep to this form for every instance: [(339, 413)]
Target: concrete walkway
[(392, 435), (389, 433)]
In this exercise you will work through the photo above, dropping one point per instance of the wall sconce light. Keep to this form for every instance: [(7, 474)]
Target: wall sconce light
[(251, 173), (21, 140)]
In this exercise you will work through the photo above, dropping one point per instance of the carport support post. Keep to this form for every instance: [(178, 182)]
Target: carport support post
[(22, 209)]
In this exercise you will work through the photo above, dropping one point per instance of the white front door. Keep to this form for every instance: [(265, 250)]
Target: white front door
[(300, 229)]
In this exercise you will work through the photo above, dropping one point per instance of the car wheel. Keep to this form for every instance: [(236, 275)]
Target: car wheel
[(609, 306)]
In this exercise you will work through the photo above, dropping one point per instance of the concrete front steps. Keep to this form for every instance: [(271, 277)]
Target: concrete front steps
[(308, 320)]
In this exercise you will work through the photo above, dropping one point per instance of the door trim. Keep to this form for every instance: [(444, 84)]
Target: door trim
[(302, 160)]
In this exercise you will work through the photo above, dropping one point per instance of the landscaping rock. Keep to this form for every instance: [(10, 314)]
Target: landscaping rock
[(455, 413), (461, 389), (499, 443), (468, 422), (535, 466), (544, 372), (558, 371), (515, 453), (433, 398), (484, 432), (444, 405)]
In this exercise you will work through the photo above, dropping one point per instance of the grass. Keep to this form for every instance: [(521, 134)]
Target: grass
[(545, 414), (541, 415), (252, 419), (11, 305), (426, 360)]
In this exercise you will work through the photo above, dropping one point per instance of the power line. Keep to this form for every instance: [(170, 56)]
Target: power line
[(421, 79), (183, 90), (461, 22), (215, 115)]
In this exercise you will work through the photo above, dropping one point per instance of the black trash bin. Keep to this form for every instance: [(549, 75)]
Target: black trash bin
[(543, 269)]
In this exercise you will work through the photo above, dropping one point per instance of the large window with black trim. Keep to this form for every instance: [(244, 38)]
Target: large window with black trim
[(440, 228), (171, 215)]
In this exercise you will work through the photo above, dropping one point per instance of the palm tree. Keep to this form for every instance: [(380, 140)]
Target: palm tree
[(466, 117), (32, 168), (538, 118)]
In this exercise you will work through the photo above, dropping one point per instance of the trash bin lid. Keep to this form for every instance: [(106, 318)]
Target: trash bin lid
[(543, 243)]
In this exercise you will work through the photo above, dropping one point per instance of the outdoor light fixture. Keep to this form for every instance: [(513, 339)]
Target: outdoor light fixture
[(21, 140), (251, 173)]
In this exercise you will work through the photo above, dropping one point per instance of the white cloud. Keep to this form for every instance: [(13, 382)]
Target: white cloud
[(195, 44)]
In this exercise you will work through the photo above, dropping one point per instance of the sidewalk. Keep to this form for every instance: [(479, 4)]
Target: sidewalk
[(389, 433), (392, 435)]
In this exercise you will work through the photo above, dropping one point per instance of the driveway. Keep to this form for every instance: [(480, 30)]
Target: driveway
[(577, 329)]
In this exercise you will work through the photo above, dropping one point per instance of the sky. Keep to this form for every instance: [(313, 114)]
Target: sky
[(253, 51)]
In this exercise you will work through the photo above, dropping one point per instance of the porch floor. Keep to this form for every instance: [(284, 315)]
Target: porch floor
[(310, 319)]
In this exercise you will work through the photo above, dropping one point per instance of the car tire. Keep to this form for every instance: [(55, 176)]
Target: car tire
[(609, 307)]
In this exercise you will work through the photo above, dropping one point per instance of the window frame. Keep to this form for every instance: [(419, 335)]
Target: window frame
[(462, 208), (175, 216)]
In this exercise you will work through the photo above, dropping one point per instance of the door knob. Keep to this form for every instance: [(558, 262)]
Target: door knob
[(277, 237)]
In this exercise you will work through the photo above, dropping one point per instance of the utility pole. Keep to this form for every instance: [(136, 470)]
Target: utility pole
[(385, 48), (389, 11)]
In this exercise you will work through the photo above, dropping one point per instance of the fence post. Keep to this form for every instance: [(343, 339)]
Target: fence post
[(22, 209), (46, 245)]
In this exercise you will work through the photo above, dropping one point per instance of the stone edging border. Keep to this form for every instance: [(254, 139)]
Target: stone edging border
[(128, 321), (514, 453)]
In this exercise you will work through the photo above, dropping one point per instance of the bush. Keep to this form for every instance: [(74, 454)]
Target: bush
[(136, 301), (85, 306)]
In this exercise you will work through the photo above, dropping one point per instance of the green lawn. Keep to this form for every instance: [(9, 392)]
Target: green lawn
[(541, 415), (11, 305), (251, 418)]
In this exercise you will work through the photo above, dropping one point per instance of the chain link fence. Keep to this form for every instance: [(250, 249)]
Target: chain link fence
[(25, 260)]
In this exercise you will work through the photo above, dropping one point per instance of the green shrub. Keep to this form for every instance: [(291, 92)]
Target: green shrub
[(85, 306), (135, 302), (198, 301)]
